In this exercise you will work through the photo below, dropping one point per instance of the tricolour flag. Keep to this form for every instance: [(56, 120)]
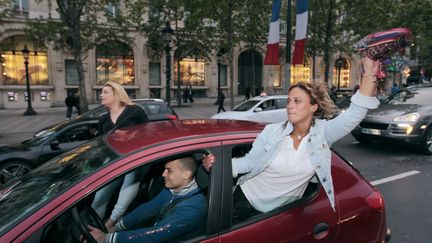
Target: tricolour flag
[(272, 54), (300, 35)]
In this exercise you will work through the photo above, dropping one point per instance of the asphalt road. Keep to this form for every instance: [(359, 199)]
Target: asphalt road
[(404, 177)]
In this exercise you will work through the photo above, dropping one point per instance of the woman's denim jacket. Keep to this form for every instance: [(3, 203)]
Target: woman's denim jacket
[(322, 135)]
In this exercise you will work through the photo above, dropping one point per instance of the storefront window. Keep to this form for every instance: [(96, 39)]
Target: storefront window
[(301, 73), (114, 62), (13, 67), (342, 79), (191, 72), (154, 73)]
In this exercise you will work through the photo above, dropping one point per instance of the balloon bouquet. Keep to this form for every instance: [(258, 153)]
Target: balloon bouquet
[(388, 47)]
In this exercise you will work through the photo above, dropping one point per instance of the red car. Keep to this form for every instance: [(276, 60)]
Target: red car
[(52, 202)]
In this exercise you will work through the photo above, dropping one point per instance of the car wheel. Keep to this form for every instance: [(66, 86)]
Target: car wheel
[(426, 144), (13, 169)]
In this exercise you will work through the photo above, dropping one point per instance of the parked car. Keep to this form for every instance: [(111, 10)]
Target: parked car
[(53, 202), (269, 109), (18, 159), (405, 117)]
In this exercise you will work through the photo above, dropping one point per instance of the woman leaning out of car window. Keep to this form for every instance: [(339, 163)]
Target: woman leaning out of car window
[(285, 156)]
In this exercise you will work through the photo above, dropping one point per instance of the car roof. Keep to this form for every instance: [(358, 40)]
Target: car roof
[(133, 138), (269, 97)]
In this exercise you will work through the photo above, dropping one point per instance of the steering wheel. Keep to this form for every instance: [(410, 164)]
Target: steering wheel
[(87, 216)]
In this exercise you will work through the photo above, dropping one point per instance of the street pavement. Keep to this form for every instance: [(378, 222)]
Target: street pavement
[(14, 127)]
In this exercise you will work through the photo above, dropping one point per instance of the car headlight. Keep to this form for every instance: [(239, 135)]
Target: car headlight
[(411, 117)]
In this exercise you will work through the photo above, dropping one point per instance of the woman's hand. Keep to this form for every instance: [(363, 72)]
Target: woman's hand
[(208, 162), (369, 79)]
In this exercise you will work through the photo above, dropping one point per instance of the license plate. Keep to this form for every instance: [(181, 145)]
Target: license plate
[(371, 131)]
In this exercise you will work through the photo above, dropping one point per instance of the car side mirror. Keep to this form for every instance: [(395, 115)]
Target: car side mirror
[(258, 109), (54, 144)]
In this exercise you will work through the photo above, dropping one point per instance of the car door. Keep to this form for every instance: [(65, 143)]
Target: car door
[(311, 219), (68, 138)]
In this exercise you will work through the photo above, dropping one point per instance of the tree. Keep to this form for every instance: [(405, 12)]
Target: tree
[(82, 25)]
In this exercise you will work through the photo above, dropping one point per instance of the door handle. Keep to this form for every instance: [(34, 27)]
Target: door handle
[(320, 231)]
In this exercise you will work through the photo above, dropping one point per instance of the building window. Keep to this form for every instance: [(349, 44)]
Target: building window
[(192, 72), (342, 80), (113, 9), (154, 73), (114, 62), (223, 72), (301, 73), (275, 75), (21, 6), (71, 73), (13, 67)]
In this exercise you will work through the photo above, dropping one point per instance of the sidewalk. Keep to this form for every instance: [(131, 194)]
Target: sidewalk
[(14, 127)]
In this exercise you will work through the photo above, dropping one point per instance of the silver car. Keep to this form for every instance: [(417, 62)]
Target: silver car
[(268, 109), (405, 117)]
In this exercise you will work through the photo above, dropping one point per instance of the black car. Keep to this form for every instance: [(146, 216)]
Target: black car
[(18, 159), (405, 117)]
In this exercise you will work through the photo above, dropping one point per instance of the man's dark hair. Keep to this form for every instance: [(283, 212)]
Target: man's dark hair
[(188, 163)]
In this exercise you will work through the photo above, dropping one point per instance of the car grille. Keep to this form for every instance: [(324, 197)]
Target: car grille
[(372, 125)]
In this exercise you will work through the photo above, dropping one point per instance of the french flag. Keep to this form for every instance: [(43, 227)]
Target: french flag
[(272, 54), (300, 35)]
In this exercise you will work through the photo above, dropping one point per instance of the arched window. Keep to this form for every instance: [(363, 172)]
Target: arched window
[(12, 62), (341, 73), (192, 68), (114, 62)]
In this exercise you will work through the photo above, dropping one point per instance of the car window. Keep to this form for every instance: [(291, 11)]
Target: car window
[(245, 106), (281, 103), (153, 109), (420, 96), (45, 183), (97, 112), (78, 133), (268, 105), (151, 187), (242, 210)]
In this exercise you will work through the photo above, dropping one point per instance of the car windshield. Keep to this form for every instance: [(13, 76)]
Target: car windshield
[(245, 106), (22, 197), (419, 96), (43, 134)]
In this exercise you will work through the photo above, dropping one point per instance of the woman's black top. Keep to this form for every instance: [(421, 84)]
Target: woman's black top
[(131, 115)]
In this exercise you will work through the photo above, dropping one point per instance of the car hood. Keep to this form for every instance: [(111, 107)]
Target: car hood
[(386, 112), (237, 115)]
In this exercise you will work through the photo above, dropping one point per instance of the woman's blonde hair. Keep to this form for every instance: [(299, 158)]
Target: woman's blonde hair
[(318, 93), (119, 92)]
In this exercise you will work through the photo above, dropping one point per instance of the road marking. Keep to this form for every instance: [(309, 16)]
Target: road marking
[(395, 177)]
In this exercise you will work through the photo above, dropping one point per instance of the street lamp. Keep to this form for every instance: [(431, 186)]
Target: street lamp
[(166, 36), (29, 111), (219, 62), (339, 64)]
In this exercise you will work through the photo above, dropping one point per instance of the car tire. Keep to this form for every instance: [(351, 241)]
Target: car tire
[(426, 144), (13, 169)]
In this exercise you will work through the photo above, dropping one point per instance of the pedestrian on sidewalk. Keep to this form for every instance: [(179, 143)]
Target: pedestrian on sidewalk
[(69, 102), (221, 99), (76, 102), (247, 93), (190, 94)]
